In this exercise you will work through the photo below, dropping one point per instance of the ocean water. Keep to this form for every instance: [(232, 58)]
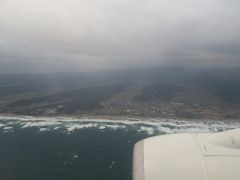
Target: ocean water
[(61, 148)]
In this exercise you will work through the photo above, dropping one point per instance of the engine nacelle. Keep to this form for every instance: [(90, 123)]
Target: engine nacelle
[(199, 156)]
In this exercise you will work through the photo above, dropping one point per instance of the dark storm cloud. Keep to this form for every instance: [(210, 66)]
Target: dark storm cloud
[(93, 35)]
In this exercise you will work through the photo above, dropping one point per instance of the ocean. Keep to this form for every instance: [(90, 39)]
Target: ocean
[(43, 148)]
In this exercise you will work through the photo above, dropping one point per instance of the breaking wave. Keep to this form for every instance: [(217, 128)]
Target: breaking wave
[(150, 126)]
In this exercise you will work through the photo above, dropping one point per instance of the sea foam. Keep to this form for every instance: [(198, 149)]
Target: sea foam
[(150, 126)]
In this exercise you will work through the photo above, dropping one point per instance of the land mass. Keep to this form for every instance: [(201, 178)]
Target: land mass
[(158, 92)]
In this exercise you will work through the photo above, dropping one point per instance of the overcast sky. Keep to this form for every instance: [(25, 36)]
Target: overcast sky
[(96, 35)]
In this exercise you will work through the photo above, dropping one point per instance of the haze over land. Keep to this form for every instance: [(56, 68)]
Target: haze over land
[(167, 92), (166, 58)]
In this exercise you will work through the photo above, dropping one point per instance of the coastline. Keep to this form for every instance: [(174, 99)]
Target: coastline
[(117, 118), (151, 126)]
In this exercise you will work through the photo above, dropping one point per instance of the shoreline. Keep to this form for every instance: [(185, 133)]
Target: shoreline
[(118, 117)]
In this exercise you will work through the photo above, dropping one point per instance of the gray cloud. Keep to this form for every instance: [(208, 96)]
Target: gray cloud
[(94, 35)]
